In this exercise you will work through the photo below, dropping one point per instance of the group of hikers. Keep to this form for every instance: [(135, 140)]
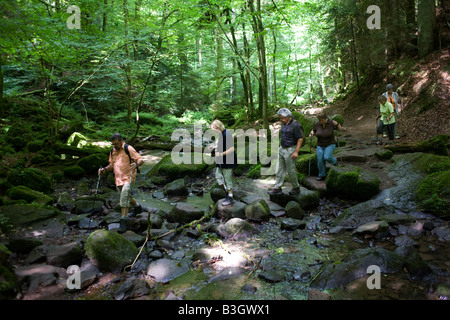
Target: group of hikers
[(124, 160)]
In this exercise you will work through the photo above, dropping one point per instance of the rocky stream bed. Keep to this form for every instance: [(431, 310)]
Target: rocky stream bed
[(317, 245)]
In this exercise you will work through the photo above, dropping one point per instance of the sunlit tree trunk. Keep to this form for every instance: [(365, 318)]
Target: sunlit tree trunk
[(426, 21)]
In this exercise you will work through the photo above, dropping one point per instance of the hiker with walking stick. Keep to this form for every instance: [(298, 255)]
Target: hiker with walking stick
[(387, 120), (124, 161), (324, 131)]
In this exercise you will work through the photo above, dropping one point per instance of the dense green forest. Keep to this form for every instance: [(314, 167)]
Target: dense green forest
[(146, 66)]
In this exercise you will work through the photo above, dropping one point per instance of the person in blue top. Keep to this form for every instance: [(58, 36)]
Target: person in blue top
[(387, 120), (226, 160)]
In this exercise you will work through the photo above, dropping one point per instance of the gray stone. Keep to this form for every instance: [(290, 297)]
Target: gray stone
[(294, 210), (65, 202), (442, 232), (65, 255), (396, 218), (237, 210), (372, 227), (88, 206), (257, 211), (131, 288), (177, 188), (184, 213), (165, 270), (236, 228), (292, 224), (271, 276), (405, 241)]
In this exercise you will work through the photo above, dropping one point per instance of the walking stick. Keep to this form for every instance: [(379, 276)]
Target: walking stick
[(310, 156), (95, 199)]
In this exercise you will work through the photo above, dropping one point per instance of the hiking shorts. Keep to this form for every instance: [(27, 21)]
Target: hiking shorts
[(125, 195)]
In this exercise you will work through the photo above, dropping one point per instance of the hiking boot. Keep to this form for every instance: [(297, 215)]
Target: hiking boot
[(123, 226), (320, 178), (136, 210), (228, 201), (294, 191), (275, 192)]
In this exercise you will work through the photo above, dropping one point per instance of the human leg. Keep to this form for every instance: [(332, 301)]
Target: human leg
[(321, 162), (281, 170), (328, 154)]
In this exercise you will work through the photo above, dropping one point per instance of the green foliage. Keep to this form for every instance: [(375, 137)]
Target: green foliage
[(92, 163), (74, 172)]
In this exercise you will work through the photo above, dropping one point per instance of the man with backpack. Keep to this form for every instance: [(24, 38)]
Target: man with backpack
[(124, 161), (291, 139)]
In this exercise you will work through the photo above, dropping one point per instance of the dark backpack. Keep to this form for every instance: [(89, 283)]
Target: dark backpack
[(125, 147)]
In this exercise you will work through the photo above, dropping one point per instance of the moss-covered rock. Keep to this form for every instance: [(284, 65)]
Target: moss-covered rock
[(9, 285), (307, 164), (436, 145), (74, 172), (184, 212), (93, 162), (257, 211), (25, 193), (176, 171), (32, 178), (352, 182), (20, 215), (110, 251), (384, 154), (433, 193), (338, 118), (255, 172)]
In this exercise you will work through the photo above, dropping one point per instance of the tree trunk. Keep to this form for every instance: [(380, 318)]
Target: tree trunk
[(248, 80), (105, 15), (426, 21), (128, 93), (258, 29), (355, 59), (219, 69), (2, 104), (274, 73)]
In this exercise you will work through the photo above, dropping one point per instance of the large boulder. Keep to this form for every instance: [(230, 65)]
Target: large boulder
[(93, 162), (294, 210), (236, 228), (110, 251), (335, 275), (257, 211), (352, 182), (176, 171), (20, 215), (177, 188), (363, 213), (184, 212), (29, 195), (9, 285), (32, 178), (237, 210), (433, 194), (165, 270), (65, 255), (307, 164)]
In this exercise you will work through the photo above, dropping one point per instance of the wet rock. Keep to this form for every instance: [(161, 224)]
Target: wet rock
[(308, 199), (21, 244), (416, 267), (396, 218), (217, 194), (248, 288), (20, 215), (237, 210), (165, 270), (39, 275), (137, 239), (362, 213), (292, 224), (37, 255), (9, 283), (315, 294), (294, 210), (184, 213), (155, 254), (442, 232), (271, 276), (337, 275), (257, 211), (29, 195), (373, 227), (405, 241), (237, 228), (177, 188), (88, 223), (109, 251), (131, 288), (83, 206), (352, 182), (65, 255)]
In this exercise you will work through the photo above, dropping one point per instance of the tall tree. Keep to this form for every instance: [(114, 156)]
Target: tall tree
[(426, 21)]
